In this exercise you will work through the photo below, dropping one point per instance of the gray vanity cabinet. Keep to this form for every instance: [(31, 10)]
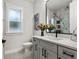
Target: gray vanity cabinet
[(46, 50), (65, 53)]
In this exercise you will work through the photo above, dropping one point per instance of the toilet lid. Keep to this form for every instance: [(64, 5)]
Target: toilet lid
[(28, 43)]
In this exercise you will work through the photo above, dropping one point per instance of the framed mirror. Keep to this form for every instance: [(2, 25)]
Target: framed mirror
[(58, 14)]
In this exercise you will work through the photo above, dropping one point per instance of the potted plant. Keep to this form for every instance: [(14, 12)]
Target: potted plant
[(42, 27), (50, 27)]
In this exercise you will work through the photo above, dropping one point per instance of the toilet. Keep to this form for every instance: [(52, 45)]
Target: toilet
[(27, 46)]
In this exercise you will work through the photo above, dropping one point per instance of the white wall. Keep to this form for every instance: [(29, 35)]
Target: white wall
[(39, 7), (1, 28), (15, 41), (73, 15)]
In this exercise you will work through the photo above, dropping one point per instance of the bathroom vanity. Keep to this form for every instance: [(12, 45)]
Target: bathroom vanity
[(54, 48)]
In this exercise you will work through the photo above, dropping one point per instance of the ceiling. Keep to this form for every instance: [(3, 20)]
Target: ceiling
[(56, 4)]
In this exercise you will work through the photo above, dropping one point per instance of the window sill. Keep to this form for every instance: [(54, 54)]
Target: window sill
[(13, 33)]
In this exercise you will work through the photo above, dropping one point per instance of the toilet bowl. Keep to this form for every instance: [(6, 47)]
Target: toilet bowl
[(27, 45)]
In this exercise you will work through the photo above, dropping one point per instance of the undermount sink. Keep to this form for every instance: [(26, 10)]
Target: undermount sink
[(59, 39), (55, 38)]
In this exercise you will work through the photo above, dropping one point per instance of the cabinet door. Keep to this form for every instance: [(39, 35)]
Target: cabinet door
[(35, 49), (47, 54), (51, 54), (48, 45), (65, 53), (47, 50), (41, 53)]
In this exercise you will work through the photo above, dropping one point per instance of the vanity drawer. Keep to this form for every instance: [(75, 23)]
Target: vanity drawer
[(66, 53), (48, 45)]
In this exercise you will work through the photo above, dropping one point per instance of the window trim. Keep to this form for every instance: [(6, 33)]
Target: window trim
[(9, 6)]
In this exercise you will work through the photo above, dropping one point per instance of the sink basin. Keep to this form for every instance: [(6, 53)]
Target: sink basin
[(54, 38)]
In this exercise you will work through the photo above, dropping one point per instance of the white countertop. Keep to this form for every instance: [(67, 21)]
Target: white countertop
[(59, 41)]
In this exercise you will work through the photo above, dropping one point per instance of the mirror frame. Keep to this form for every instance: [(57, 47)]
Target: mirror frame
[(46, 20)]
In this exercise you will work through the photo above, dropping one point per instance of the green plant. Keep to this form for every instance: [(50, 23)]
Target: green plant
[(50, 26)]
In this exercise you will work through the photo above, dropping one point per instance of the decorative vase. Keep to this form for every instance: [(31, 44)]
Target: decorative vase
[(42, 33)]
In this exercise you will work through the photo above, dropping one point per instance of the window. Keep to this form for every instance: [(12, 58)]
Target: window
[(14, 20)]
